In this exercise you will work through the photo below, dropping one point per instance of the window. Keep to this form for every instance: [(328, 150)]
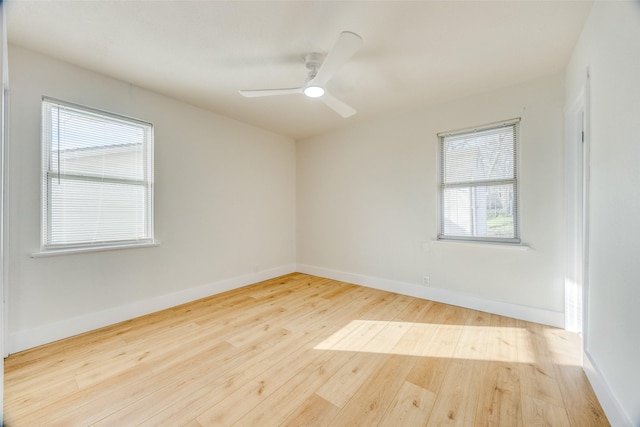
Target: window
[(97, 178), (479, 184)]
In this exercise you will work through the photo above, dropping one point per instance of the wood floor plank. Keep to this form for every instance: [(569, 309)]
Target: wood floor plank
[(346, 381), (455, 403), (246, 386), (468, 369), (190, 382), (314, 411), (296, 391), (96, 402), (370, 403), (253, 392), (582, 405), (374, 398), (440, 343), (411, 407), (124, 393), (540, 413), (25, 405), (205, 386), (499, 398), (537, 375), (305, 350)]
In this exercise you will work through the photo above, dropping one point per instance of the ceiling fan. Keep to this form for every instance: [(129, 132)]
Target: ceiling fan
[(320, 72)]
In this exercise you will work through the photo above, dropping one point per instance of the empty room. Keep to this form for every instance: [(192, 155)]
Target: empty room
[(320, 213)]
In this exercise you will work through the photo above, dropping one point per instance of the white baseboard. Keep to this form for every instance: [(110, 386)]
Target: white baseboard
[(23, 340), (530, 314), (611, 406)]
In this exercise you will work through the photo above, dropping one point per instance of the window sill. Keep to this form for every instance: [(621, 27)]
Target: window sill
[(81, 250), (497, 245)]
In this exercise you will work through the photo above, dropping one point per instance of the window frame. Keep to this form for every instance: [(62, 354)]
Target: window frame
[(515, 181), (47, 175)]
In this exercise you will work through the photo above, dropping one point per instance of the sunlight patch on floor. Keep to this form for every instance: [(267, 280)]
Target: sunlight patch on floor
[(565, 347), (490, 343)]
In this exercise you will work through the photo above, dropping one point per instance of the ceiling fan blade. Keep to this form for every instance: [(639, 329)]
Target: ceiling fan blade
[(270, 92), (346, 46), (337, 105)]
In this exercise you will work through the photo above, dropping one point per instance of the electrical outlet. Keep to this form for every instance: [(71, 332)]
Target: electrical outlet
[(426, 280)]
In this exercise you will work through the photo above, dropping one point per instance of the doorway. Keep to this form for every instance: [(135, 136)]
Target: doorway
[(577, 214)]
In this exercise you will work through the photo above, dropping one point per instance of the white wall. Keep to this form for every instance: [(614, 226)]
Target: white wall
[(610, 47), (224, 204), (367, 204)]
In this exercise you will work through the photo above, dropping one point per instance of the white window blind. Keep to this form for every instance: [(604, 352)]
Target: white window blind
[(97, 178), (479, 184)]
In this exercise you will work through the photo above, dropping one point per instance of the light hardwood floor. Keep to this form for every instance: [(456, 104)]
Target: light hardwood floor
[(306, 351)]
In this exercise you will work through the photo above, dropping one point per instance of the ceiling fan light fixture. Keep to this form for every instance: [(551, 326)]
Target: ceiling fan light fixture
[(313, 91)]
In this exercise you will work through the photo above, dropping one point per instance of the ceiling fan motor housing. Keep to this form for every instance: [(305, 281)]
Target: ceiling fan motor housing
[(313, 61)]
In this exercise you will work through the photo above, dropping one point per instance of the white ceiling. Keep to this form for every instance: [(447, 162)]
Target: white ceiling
[(415, 53)]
